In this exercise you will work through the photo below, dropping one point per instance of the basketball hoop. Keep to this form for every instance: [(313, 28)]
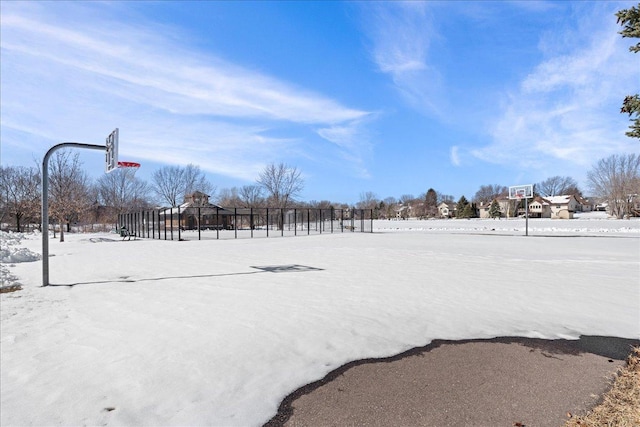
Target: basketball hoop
[(128, 164)]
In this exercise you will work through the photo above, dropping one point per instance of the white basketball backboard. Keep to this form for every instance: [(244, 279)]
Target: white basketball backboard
[(521, 191), (112, 151)]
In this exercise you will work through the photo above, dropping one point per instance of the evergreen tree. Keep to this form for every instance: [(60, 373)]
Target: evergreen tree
[(470, 210), (494, 210), (462, 210), (431, 203), (630, 20)]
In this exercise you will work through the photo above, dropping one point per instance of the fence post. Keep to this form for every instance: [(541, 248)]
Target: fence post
[(371, 220), (218, 225), (171, 225), (235, 222)]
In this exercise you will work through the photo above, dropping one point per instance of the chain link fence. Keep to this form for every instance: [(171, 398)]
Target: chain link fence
[(205, 223)]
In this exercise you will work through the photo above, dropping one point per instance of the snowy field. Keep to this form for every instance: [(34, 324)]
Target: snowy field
[(213, 332)]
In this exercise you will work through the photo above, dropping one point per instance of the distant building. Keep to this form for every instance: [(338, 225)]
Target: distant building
[(447, 209), (539, 208), (563, 207)]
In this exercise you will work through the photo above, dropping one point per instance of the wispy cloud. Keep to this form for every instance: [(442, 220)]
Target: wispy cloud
[(81, 77), (354, 142), (454, 155), (565, 112), (401, 34)]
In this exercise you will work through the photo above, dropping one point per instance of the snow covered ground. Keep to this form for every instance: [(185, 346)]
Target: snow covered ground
[(218, 332)]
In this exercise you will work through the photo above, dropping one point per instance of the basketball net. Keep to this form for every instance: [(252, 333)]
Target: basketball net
[(128, 164)]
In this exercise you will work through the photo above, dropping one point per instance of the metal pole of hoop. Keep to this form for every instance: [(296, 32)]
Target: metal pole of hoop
[(519, 192), (45, 201), (526, 216), (111, 150)]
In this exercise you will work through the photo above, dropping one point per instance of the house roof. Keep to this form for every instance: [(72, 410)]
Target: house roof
[(205, 205), (450, 205), (559, 200), (538, 199)]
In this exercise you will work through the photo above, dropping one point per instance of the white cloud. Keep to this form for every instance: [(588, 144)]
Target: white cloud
[(454, 156), (69, 77), (566, 111), (353, 144), (401, 34)]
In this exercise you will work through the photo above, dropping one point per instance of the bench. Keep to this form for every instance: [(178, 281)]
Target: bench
[(124, 233)]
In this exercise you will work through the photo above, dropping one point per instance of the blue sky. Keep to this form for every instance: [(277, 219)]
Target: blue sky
[(390, 98)]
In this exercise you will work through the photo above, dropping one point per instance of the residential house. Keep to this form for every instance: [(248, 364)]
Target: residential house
[(563, 207), (483, 210), (539, 208), (584, 204), (507, 207), (403, 211), (447, 209)]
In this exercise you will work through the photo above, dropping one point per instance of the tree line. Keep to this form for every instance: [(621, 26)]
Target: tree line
[(75, 198), (614, 180)]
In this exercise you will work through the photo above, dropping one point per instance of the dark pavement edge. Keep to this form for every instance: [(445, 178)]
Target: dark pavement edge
[(609, 347)]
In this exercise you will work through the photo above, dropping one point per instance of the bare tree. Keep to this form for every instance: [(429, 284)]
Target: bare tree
[(389, 205), (557, 186), (488, 193), (172, 183), (20, 194), (195, 180), (368, 200), (252, 196), (282, 183), (408, 203), (616, 179), (168, 184), (229, 197), (121, 191), (68, 188), (322, 204), (447, 198)]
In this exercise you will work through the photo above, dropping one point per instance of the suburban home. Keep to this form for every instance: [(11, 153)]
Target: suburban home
[(539, 208), (447, 209), (556, 207), (483, 210), (507, 207), (403, 212), (584, 205), (563, 207)]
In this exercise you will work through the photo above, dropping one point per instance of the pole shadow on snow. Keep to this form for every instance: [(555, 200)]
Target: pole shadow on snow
[(289, 268)]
